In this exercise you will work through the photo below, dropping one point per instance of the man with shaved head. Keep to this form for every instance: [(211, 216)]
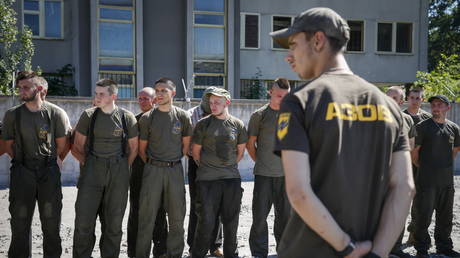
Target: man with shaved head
[(146, 100)]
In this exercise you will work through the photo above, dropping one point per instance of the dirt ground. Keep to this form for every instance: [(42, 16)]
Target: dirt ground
[(68, 217)]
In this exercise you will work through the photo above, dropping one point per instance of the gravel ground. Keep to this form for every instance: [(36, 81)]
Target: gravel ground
[(68, 217)]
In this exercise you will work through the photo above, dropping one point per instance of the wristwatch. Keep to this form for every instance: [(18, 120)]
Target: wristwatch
[(348, 249)]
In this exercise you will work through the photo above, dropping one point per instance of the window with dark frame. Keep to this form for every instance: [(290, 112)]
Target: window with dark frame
[(279, 23), (251, 31), (384, 37), (402, 31), (404, 37), (356, 42)]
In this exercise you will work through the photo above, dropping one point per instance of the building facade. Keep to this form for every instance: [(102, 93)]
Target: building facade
[(201, 43)]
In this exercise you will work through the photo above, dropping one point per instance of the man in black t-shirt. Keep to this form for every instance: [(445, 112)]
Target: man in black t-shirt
[(436, 145), (343, 148)]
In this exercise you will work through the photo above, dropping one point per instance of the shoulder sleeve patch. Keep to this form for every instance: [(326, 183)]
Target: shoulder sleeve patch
[(283, 125)]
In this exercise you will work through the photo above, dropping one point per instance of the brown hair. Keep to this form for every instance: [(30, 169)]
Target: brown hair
[(167, 81), (282, 83), (416, 90), (37, 79), (113, 87)]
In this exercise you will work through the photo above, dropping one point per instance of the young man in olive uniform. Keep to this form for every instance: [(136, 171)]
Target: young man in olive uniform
[(269, 183), (165, 134), (146, 100), (196, 114), (36, 135), (436, 145), (106, 140), (397, 94), (415, 99), (344, 150), (218, 145)]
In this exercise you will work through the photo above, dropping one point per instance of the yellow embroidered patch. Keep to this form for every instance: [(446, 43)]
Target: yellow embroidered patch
[(283, 125)]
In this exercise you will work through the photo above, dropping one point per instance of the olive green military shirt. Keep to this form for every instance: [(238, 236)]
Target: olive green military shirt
[(108, 130), (263, 125), (38, 130), (409, 125), (164, 132), (219, 140)]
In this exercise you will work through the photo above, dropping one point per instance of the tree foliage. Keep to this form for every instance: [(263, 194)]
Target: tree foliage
[(443, 79), (16, 47), (444, 30)]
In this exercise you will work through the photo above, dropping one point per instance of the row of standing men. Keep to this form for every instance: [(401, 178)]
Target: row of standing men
[(118, 151), (348, 200)]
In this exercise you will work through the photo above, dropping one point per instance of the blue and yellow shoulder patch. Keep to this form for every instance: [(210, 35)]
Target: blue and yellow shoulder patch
[(283, 125)]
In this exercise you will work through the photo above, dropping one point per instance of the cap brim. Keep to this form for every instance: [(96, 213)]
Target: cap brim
[(441, 99), (282, 36), (217, 94)]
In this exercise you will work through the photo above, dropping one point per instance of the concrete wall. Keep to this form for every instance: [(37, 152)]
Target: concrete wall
[(165, 46), (390, 68)]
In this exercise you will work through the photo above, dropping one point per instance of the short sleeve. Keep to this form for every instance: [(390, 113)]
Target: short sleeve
[(62, 124), (187, 129), (198, 133), (8, 132), (144, 123), (402, 140), (254, 123), (242, 133), (409, 124), (291, 133), (419, 137), (457, 136), (131, 123), (83, 124)]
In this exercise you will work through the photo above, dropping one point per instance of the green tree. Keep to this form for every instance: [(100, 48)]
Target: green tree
[(16, 47), (443, 79), (443, 30)]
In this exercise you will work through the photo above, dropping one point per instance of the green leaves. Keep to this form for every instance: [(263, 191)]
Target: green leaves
[(444, 30), (443, 79), (16, 47)]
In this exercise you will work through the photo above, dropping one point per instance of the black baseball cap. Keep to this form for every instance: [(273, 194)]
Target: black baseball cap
[(441, 98), (313, 20)]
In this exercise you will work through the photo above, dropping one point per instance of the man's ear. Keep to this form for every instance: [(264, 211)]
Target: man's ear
[(319, 40), (173, 93), (227, 102)]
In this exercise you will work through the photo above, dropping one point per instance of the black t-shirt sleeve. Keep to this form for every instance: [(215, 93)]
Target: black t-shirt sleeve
[(457, 136), (419, 136), (291, 133)]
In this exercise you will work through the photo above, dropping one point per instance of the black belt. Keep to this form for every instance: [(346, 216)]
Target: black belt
[(160, 163)]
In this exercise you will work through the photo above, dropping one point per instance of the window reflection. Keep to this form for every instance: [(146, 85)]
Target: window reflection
[(209, 43)]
